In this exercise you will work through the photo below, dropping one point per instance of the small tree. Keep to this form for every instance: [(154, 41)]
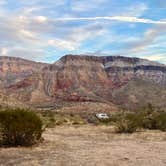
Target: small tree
[(20, 127)]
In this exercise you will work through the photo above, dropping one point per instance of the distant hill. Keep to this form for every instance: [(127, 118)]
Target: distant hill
[(123, 81)]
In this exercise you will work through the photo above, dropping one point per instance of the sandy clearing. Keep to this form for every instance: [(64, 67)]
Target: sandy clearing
[(90, 146)]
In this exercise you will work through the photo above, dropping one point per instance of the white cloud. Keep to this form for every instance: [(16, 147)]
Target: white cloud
[(30, 10), (27, 34), (62, 44), (72, 40), (3, 51), (86, 5), (33, 26), (153, 56), (85, 32), (134, 10), (148, 39), (114, 18), (24, 52), (156, 57), (2, 2), (41, 19)]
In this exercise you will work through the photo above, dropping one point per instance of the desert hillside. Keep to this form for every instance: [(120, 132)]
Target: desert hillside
[(122, 81)]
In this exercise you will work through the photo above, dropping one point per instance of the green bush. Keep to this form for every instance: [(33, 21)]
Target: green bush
[(160, 119), (19, 127), (156, 120), (146, 118), (152, 118), (127, 123)]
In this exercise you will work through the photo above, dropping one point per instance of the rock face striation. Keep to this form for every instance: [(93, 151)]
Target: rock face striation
[(124, 81)]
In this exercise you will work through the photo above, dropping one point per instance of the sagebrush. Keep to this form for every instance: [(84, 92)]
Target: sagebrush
[(146, 118), (20, 127)]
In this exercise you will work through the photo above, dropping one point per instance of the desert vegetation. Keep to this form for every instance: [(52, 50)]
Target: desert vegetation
[(52, 119), (69, 133), (22, 127), (19, 127), (148, 117)]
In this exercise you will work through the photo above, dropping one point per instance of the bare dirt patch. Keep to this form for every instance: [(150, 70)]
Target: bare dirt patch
[(88, 145)]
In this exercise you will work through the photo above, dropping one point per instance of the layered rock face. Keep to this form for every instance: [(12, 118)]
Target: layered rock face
[(13, 70), (81, 78), (78, 78), (19, 77)]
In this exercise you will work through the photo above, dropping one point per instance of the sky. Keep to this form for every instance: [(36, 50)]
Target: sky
[(45, 30)]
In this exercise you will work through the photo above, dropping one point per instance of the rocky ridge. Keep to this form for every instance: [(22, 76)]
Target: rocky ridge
[(81, 78)]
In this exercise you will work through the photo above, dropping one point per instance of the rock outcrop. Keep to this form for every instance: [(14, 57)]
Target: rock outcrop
[(83, 78)]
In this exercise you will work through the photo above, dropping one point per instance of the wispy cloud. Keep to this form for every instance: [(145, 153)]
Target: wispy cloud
[(72, 40), (149, 38), (2, 2), (3, 51), (40, 29), (156, 57), (86, 5), (114, 18), (134, 10)]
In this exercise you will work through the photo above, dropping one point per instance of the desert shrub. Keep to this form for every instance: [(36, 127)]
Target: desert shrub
[(20, 127), (156, 120), (127, 123), (92, 119), (47, 118), (152, 118), (146, 118), (114, 118), (160, 121), (60, 118)]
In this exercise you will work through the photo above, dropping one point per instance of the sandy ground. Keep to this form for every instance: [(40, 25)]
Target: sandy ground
[(90, 146)]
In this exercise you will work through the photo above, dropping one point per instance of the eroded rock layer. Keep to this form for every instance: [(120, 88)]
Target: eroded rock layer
[(83, 78)]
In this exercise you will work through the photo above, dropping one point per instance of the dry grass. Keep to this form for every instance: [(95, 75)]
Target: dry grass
[(88, 145)]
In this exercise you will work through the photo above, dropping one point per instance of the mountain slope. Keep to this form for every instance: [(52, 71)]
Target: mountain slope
[(19, 78), (13, 69), (138, 93), (129, 82)]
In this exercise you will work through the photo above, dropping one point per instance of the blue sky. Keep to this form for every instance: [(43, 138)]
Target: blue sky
[(45, 30)]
